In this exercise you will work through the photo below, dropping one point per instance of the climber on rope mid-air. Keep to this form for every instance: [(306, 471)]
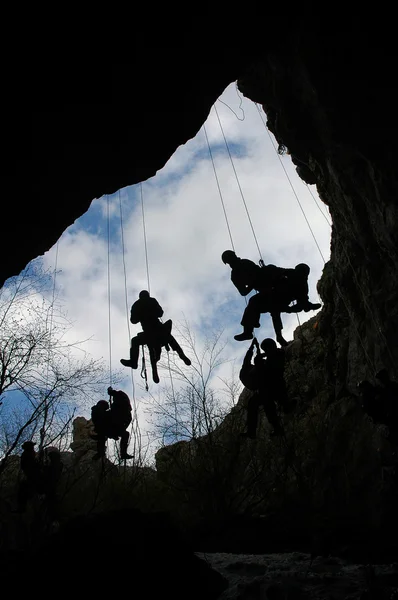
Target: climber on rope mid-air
[(276, 289), (110, 420), (155, 334)]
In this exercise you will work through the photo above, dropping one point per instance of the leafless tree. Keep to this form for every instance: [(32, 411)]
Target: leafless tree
[(44, 374), (195, 400)]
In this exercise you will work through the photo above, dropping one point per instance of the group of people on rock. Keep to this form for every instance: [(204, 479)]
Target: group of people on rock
[(277, 290), (42, 471)]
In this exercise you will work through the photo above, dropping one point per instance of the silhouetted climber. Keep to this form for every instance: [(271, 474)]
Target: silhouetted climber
[(101, 418), (296, 289), (112, 422), (277, 288), (32, 483), (155, 334), (292, 285), (266, 379), (120, 419), (245, 274)]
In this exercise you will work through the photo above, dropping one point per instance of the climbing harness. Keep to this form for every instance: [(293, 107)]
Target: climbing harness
[(144, 374)]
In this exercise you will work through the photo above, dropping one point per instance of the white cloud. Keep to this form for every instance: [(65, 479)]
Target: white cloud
[(186, 234)]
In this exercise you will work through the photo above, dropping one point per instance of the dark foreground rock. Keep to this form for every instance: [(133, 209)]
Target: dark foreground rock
[(123, 551), (296, 576)]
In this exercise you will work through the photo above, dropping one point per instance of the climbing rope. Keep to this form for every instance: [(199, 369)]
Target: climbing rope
[(219, 189), (109, 294), (291, 185), (50, 328), (143, 370), (52, 305), (173, 392), (369, 360), (125, 289), (240, 105), (239, 185), (145, 241), (128, 321), (220, 194), (317, 205), (144, 373)]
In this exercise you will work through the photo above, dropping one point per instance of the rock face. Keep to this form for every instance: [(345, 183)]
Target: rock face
[(81, 123), (355, 177), (82, 443), (328, 483)]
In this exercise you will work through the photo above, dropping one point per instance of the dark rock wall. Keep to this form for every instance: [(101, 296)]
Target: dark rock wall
[(85, 119), (330, 478), (334, 118)]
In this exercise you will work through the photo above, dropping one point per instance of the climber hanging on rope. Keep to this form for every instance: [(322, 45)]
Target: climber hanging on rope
[(266, 379), (276, 289), (110, 420), (155, 334)]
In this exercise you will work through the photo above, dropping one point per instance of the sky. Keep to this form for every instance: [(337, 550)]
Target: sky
[(186, 233)]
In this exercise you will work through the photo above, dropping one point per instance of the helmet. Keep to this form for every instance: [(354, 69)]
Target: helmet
[(227, 256), (143, 294), (303, 268), (28, 445), (268, 345), (103, 404)]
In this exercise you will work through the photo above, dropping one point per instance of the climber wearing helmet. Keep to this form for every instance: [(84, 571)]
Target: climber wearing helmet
[(298, 289), (245, 274), (276, 287), (120, 419), (100, 416), (266, 379), (155, 334)]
